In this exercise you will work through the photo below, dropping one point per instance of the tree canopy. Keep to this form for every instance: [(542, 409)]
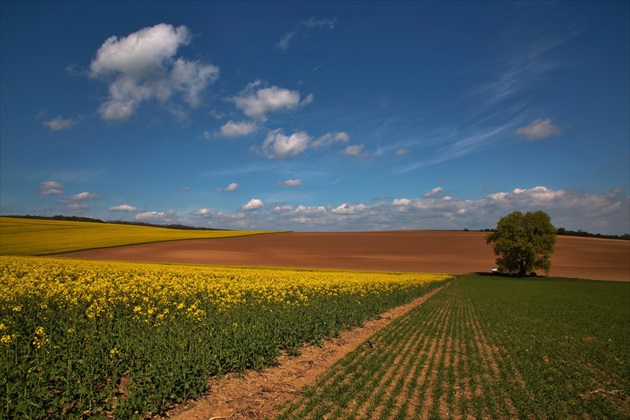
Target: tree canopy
[(524, 242)]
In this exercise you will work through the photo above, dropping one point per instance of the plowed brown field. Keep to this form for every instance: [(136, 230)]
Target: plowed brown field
[(453, 252)]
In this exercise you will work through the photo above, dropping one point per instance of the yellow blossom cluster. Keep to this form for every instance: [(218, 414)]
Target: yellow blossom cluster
[(155, 292)]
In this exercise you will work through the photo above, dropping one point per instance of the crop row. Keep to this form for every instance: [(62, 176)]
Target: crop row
[(84, 338), (489, 348)]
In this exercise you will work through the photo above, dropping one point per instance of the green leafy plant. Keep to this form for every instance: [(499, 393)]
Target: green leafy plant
[(523, 242)]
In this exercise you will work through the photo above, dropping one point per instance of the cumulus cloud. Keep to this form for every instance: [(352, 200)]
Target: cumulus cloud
[(168, 216), (77, 202), (50, 188), (124, 208), (204, 212), (598, 213), (256, 100), (59, 123), (253, 204), (434, 192), (347, 208), (539, 129), (277, 145), (302, 29), (329, 139), (355, 151), (83, 196), (290, 183), (230, 188), (142, 67), (233, 129)]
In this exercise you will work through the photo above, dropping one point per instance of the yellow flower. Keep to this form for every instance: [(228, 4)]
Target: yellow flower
[(7, 339)]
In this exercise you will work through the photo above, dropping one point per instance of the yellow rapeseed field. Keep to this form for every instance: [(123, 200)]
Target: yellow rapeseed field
[(20, 236), (70, 330)]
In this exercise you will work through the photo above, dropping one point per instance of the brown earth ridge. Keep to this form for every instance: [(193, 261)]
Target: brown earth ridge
[(453, 252)]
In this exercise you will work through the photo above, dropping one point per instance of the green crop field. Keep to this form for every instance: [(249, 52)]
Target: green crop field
[(45, 237), (489, 348)]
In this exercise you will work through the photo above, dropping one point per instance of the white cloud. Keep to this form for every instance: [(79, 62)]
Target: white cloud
[(402, 152), (355, 151), (238, 129), (83, 196), (279, 146), (191, 78), (253, 204), (329, 139), (168, 216), (142, 67), (290, 183), (347, 208), (77, 202), (50, 188), (256, 101), (598, 213), (434, 192), (539, 129), (78, 207), (124, 208), (302, 28), (230, 188), (204, 212), (59, 123)]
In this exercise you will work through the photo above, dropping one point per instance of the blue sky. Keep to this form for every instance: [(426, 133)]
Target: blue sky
[(318, 116)]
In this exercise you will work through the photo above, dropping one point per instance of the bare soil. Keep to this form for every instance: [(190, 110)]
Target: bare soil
[(453, 252)]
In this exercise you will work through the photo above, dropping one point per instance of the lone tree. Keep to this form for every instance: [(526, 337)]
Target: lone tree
[(523, 242)]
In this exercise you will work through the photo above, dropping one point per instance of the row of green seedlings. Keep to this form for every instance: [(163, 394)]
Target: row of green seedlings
[(429, 363), (63, 364), (488, 348), (568, 341)]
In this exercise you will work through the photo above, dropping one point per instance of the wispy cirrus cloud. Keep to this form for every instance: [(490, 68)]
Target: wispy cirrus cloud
[(495, 103), (329, 139), (302, 29)]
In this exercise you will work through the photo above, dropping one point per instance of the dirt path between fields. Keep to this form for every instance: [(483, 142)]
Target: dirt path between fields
[(259, 394), (454, 252)]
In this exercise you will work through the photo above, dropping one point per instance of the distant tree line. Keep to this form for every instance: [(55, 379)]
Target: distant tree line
[(579, 232), (92, 220)]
